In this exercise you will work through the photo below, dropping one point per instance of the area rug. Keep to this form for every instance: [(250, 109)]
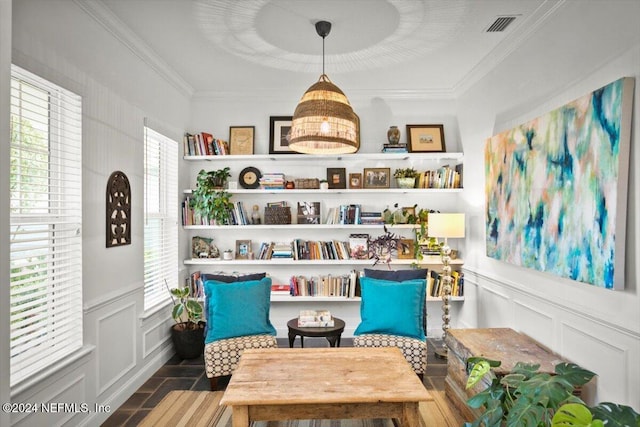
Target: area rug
[(202, 409)]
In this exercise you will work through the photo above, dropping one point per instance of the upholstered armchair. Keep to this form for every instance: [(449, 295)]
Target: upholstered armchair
[(393, 314), (237, 314)]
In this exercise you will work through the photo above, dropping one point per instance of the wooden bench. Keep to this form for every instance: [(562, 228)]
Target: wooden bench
[(503, 344)]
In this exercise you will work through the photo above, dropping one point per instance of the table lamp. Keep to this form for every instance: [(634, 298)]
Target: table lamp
[(445, 225)]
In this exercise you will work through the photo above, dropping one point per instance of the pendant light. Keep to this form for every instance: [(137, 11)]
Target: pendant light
[(324, 122)]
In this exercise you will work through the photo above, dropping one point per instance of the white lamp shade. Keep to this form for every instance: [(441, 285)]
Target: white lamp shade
[(447, 225)]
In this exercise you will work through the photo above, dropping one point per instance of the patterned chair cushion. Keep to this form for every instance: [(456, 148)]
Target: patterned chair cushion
[(414, 350), (221, 357)]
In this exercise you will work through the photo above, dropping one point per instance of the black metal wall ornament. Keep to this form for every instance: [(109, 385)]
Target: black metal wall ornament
[(118, 210)]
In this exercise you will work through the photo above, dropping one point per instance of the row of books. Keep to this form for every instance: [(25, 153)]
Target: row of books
[(353, 214), (444, 177), (238, 215), (300, 249), (204, 144), (345, 285), (435, 284), (195, 285)]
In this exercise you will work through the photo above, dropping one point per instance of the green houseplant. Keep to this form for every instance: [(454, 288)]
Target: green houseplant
[(209, 199), (187, 333), (526, 397), (405, 177)]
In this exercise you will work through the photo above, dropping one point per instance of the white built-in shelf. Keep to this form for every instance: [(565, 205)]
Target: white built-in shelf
[(321, 157), (428, 260), (300, 226), (291, 299), (261, 191)]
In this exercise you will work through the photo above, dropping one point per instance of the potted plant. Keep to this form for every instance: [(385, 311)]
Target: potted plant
[(209, 199), (188, 332), (405, 177), (324, 185), (526, 397)]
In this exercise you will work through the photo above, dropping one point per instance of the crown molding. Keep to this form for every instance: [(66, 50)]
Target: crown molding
[(504, 49), (105, 17), (276, 94)]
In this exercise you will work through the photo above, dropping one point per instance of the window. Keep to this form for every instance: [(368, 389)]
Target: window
[(160, 217), (45, 224)]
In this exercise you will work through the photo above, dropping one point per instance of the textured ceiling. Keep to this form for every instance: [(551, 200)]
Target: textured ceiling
[(214, 45)]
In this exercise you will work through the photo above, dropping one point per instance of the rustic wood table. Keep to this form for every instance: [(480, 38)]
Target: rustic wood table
[(324, 383)]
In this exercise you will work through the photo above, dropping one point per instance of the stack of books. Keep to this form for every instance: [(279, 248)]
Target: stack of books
[(395, 148), (315, 319), (368, 218), (271, 181)]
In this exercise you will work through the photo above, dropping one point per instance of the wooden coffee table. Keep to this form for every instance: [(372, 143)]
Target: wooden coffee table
[(324, 383)]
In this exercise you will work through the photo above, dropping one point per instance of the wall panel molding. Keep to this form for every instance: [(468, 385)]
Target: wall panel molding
[(117, 320), (150, 341), (112, 297), (544, 299)]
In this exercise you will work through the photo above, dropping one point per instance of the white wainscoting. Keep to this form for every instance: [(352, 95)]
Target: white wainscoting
[(584, 337)]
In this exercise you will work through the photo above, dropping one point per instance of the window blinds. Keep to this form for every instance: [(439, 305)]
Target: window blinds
[(45, 224), (160, 217)]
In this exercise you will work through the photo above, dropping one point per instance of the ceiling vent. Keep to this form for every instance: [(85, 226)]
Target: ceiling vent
[(500, 24)]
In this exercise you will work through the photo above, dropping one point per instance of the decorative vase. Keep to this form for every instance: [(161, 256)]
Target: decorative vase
[(393, 135), (324, 185), (406, 182)]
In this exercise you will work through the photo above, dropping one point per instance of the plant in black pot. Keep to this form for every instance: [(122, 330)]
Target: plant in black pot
[(188, 332)]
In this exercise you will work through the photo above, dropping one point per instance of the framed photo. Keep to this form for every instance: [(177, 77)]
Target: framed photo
[(406, 249), (425, 138), (243, 248), (355, 180), (337, 177), (376, 177), (279, 135), (308, 212), (241, 139), (409, 211), (359, 246)]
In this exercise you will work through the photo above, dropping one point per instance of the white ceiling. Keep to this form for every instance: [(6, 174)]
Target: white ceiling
[(433, 46)]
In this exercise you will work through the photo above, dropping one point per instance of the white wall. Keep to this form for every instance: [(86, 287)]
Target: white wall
[(596, 328), (5, 85), (123, 346)]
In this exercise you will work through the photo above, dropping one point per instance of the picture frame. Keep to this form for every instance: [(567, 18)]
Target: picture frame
[(337, 178), (279, 135), (376, 177), (355, 180), (309, 213), (408, 211), (425, 139), (406, 249), (241, 140), (243, 249)]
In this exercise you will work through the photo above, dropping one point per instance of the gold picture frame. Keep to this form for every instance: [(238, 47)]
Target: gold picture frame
[(376, 177), (425, 139), (241, 140), (355, 180), (243, 249), (406, 249)]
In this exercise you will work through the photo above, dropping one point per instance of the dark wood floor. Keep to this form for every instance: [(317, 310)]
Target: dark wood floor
[(179, 374)]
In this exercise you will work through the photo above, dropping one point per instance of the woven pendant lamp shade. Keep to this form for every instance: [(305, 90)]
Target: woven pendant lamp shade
[(324, 122)]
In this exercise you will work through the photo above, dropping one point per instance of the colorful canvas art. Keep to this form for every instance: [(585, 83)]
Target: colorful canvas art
[(556, 189)]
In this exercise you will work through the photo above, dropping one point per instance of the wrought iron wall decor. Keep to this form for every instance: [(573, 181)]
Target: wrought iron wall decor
[(118, 210)]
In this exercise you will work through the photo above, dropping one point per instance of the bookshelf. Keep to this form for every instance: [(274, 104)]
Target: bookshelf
[(299, 166)]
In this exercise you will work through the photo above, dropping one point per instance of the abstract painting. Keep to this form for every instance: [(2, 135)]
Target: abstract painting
[(556, 189)]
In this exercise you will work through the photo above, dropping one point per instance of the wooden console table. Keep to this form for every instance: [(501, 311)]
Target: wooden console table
[(503, 344), (324, 383)]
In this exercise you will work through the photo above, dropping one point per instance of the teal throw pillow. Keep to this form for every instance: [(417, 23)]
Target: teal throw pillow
[(393, 308), (237, 309)]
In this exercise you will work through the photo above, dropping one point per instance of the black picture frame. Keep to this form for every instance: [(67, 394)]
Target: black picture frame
[(425, 139), (337, 178), (279, 135)]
